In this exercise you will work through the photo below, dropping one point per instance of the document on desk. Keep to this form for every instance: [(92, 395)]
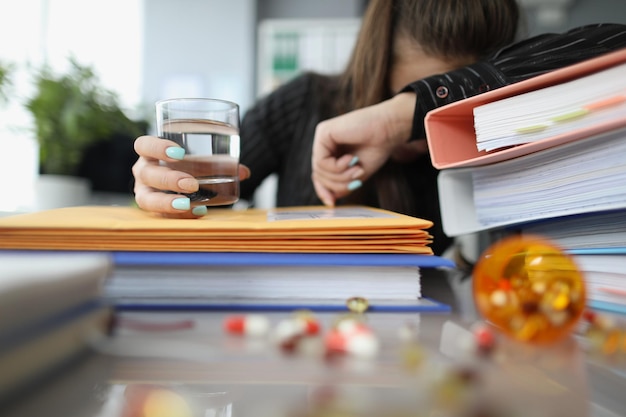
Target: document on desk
[(451, 130), (595, 101), (270, 281), (294, 229), (584, 176)]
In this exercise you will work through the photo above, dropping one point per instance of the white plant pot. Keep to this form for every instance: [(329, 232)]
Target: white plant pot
[(55, 191)]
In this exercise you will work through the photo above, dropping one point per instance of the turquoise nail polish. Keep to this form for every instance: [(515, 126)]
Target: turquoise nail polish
[(175, 152), (199, 210), (354, 185), (182, 203), (353, 161)]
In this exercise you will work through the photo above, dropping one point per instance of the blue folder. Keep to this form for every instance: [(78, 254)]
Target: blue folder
[(271, 258), (165, 259), (153, 259)]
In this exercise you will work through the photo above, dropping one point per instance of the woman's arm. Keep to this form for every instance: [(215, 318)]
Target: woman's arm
[(370, 134)]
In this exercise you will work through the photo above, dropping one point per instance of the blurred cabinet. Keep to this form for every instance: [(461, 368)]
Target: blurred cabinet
[(287, 47)]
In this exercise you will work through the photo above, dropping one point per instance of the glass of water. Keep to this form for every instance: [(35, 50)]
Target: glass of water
[(208, 130)]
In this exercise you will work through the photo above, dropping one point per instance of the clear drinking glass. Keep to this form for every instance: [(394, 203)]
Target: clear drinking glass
[(208, 129)]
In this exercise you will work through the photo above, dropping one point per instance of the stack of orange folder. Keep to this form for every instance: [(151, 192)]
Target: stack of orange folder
[(353, 229)]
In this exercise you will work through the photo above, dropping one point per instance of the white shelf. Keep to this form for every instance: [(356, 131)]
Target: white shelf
[(287, 47)]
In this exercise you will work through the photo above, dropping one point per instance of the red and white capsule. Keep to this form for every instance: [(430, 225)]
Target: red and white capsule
[(310, 325), (296, 327), (247, 325), (352, 338)]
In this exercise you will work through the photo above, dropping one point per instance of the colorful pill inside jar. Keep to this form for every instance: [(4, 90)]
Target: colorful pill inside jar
[(530, 289)]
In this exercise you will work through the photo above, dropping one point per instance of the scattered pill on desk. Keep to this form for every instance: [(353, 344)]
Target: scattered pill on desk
[(611, 344), (166, 403), (310, 324), (605, 322), (247, 325), (360, 345), (288, 328), (589, 316), (485, 339), (293, 333), (412, 356), (454, 389), (287, 334), (603, 335), (357, 305), (353, 338), (408, 332), (298, 325)]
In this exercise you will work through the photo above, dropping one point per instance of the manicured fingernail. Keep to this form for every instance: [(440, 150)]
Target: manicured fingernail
[(182, 203), (175, 152), (354, 161), (199, 210), (354, 185), (188, 184), (357, 173)]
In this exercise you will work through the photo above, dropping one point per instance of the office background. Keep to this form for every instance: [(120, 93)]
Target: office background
[(145, 50)]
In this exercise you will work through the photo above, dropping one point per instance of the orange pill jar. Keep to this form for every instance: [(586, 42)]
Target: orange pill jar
[(530, 289)]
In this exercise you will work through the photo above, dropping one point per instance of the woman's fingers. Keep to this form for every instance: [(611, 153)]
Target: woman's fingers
[(334, 187), (151, 179), (163, 178), (332, 177), (159, 188), (168, 205), (345, 168), (244, 172), (325, 195), (154, 148)]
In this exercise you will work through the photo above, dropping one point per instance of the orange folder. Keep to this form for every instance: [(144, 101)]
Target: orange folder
[(450, 129), (288, 229)]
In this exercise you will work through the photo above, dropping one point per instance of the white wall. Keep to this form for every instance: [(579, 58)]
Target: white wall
[(307, 9), (199, 48), (571, 13)]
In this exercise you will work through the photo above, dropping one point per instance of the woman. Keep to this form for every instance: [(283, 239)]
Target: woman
[(374, 134), (400, 41)]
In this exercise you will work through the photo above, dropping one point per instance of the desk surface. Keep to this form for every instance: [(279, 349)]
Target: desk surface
[(219, 374)]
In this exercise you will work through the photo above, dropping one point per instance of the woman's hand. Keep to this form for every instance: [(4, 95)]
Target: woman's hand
[(349, 149), (152, 179)]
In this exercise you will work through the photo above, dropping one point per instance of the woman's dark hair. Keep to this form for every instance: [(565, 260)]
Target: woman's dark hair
[(455, 30)]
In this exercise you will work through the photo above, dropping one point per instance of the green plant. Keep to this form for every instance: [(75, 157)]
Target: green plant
[(71, 112), (5, 80)]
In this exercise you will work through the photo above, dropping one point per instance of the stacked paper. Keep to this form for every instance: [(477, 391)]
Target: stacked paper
[(603, 230), (584, 176), (604, 277), (594, 100), (296, 229), (451, 133), (580, 177)]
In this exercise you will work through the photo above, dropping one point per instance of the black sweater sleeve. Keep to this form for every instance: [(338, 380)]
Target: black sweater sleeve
[(267, 130), (517, 62)]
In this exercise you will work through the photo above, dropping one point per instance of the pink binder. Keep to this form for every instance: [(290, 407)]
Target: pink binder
[(450, 129)]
